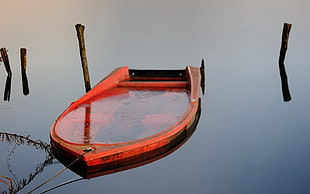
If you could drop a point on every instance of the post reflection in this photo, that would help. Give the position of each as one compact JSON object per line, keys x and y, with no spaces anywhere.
{"x":284,"y":44}
{"x":87,"y":122}
{"x":7,"y":89}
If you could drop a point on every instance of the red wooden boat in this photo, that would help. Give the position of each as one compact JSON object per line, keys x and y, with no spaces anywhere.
{"x":89,"y":172}
{"x":130,"y":116}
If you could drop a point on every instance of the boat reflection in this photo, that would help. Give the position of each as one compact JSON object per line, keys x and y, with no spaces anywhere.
{"x":126,"y":164}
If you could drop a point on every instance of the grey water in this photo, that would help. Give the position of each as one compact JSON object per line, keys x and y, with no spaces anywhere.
{"x":248,"y":140}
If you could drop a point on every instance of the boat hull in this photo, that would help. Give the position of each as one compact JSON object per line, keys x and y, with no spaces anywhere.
{"x":137,"y":160}
{"x":111,"y":153}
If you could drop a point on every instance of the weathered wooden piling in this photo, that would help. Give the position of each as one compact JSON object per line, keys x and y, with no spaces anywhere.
{"x":23,"y":59}
{"x":5,"y":59}
{"x":80,"y":34}
{"x":284,"y":45}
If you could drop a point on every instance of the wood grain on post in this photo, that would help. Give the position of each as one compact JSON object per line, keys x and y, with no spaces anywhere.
{"x":80,"y":35}
{"x":23,"y":59}
{"x":284,"y":82}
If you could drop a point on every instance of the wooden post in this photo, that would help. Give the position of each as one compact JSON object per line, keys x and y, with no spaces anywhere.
{"x":23,"y":59}
{"x":5,"y":59}
{"x":6,"y":62}
{"x":80,"y":35}
{"x":285,"y":35}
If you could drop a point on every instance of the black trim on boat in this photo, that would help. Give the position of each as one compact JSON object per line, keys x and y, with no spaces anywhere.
{"x":138,"y":73}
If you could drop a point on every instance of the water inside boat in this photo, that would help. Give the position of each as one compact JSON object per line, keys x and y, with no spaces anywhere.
{"x":122,"y":115}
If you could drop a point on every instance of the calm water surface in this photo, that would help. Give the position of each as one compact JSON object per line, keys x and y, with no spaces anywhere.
{"x":247,"y":141}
